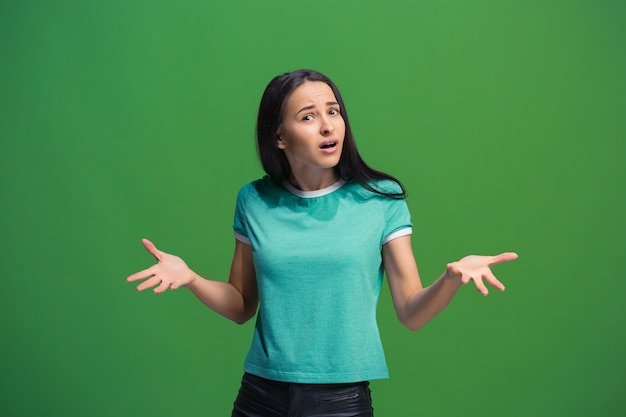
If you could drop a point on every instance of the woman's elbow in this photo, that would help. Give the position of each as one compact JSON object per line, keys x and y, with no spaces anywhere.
{"x":243,"y":317}
{"x":410,"y":323}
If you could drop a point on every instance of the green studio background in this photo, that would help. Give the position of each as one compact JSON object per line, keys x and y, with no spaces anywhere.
{"x":122,"y":120}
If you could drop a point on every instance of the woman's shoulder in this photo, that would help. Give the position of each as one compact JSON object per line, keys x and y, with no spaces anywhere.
{"x":259,"y":187}
{"x":384,"y":186}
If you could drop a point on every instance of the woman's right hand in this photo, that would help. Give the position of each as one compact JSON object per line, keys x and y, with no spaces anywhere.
{"x":169,"y":272}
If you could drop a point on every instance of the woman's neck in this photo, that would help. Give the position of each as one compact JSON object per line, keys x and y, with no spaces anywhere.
{"x":313,"y":181}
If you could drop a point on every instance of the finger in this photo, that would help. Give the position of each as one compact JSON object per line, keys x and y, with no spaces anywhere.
{"x":162,"y":287}
{"x":453,"y":268}
{"x":480,"y":286}
{"x":503,"y":257}
{"x":493,"y":281}
{"x":146,"y":273}
{"x":149,"y":283}
{"x":152,"y":249}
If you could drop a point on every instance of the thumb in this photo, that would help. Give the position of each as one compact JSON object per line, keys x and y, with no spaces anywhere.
{"x":152,"y":249}
{"x":453,"y":268}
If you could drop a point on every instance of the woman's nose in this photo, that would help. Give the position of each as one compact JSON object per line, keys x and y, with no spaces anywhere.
{"x":327,"y":126}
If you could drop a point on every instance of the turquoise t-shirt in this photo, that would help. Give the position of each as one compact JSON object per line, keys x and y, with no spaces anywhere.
{"x":318,"y":263}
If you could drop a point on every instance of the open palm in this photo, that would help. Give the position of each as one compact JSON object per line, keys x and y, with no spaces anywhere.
{"x":478,"y":269}
{"x":170,"y":271}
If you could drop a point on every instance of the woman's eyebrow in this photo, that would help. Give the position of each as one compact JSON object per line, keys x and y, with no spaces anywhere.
{"x":312,"y":106}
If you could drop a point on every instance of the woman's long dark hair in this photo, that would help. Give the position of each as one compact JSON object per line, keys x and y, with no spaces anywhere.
{"x":273,"y":159}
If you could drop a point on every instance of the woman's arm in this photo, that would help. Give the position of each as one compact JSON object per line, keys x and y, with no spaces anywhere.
{"x":415,"y":305}
{"x":236,"y":299}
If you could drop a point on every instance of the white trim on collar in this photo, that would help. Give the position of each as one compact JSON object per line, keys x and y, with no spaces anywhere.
{"x":315,"y":193}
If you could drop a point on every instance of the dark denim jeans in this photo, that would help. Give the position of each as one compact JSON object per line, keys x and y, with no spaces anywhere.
{"x":260,"y":397}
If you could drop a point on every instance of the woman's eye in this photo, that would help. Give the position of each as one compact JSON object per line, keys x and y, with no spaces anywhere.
{"x":333,"y":111}
{"x":307,"y":118}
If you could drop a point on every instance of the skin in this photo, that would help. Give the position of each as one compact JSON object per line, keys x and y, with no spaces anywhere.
{"x":311,"y":117}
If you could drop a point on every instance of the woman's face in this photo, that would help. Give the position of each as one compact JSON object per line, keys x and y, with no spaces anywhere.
{"x":313,"y":129}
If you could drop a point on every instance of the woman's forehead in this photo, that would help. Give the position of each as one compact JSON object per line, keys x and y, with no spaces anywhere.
{"x":311,"y":92}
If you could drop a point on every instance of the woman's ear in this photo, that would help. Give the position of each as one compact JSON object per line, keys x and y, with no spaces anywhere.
{"x":280,"y":143}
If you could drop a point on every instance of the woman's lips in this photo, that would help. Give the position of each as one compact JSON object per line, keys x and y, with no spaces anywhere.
{"x":329,"y":146}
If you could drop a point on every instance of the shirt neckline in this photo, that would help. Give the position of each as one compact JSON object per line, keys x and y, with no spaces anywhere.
{"x":315,"y":193}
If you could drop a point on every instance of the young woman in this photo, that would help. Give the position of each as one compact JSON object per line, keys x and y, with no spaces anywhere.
{"x":312,"y":240}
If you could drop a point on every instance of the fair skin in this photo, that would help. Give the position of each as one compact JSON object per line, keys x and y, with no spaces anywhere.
{"x":311,"y":136}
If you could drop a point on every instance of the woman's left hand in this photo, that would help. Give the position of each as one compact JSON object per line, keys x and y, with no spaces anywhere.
{"x":477,"y":268}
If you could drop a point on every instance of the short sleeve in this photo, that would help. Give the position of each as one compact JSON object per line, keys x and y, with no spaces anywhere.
{"x":397,"y":216}
{"x":240,"y":224}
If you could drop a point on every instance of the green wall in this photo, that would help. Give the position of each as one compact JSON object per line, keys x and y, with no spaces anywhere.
{"x":129,"y":119}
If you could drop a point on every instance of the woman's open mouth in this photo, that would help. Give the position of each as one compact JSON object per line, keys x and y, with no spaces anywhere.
{"x":329,"y":146}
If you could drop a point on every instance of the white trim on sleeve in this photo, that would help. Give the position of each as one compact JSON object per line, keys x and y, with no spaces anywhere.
{"x":398,"y":233}
{"x":241,"y":238}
